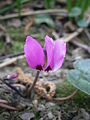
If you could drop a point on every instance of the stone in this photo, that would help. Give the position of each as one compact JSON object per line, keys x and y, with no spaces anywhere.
{"x":82,"y":115}
{"x":50,"y":104}
{"x":41,"y":119}
{"x":85,"y":114}
{"x":27,"y":116}
{"x":41,"y":107}
{"x":50,"y":115}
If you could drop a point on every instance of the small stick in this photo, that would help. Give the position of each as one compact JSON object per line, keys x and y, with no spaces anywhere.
{"x":68,"y":97}
{"x":11,"y":55}
{"x":72,"y":35}
{"x":35,"y":80}
{"x":3,"y":28}
{"x":61,"y":12}
{"x":11,"y":60}
{"x":59,"y":115}
{"x":3,"y":101}
{"x":7,"y":106}
{"x":87,"y":48}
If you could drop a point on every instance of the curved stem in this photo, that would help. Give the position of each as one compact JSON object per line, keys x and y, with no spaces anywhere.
{"x":3,"y":101}
{"x":7,"y":106}
{"x":68,"y":97}
{"x":35,"y":80}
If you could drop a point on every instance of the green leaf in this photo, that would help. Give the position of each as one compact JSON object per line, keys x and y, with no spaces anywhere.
{"x":77,"y":2}
{"x":84,"y":6}
{"x":80,"y":76}
{"x":83,"y":65}
{"x":19,"y":7}
{"x":79,"y":80}
{"x":82,"y":23}
{"x":49,"y":3}
{"x":76,"y":11}
{"x":44,"y":19}
{"x":11,"y":6}
{"x":69,"y":5}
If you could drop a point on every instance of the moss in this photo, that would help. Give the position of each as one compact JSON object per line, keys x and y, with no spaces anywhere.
{"x":81,"y":100}
{"x":18,"y":46}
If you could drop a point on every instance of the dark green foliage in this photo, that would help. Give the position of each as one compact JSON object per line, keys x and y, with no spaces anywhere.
{"x":69,"y":5}
{"x":19,"y":6}
{"x":49,"y":3}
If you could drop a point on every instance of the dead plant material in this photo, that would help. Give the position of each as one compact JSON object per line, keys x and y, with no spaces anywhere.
{"x":85,"y":47}
{"x":10,"y":61}
{"x":28,"y":25}
{"x":44,"y":89}
{"x":69,"y":25}
{"x":6,"y":38}
{"x":62,"y":12}
{"x":7,"y":106}
{"x":3,"y":101}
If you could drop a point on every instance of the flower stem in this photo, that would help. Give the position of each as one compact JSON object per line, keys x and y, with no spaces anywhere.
{"x":35,"y":80}
{"x":68,"y":97}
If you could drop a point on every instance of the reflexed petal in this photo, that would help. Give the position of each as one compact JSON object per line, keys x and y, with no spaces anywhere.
{"x":59,"y":54}
{"x":34,"y":53}
{"x":49,"y":45}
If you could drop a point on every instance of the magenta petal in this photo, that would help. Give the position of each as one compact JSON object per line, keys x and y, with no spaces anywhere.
{"x":34,"y":53}
{"x":49,"y":45}
{"x":59,"y":54}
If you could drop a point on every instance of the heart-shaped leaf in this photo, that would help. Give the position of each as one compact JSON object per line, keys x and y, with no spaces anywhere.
{"x":76,"y":11}
{"x":83,"y":65}
{"x":82,"y":23}
{"x":44,"y":18}
{"x":80,"y":76}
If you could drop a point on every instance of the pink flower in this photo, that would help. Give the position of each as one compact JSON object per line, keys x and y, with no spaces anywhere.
{"x":12,"y":76}
{"x":35,"y":55}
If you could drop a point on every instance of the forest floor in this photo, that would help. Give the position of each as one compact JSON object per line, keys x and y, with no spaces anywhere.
{"x":13,"y":32}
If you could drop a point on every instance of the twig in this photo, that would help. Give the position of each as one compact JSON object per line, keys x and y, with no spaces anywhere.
{"x":76,"y":33}
{"x":35,"y":80}
{"x":61,"y":12}
{"x":3,"y":101}
{"x":28,"y":25}
{"x":11,"y":55}
{"x":7,"y":106}
{"x":87,"y":48}
{"x":59,"y":115}
{"x":11,"y":60}
{"x":73,"y":35}
{"x":68,"y":97}
{"x":70,"y":36}
{"x":3,"y":28}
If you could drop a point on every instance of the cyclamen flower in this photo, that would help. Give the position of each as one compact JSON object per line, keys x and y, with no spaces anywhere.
{"x":35,"y":55}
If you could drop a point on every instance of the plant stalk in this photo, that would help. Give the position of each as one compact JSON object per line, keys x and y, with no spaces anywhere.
{"x":35,"y":80}
{"x":68,"y":97}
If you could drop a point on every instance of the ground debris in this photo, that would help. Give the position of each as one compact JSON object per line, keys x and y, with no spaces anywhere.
{"x":82,"y":115}
{"x":40,"y":87}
